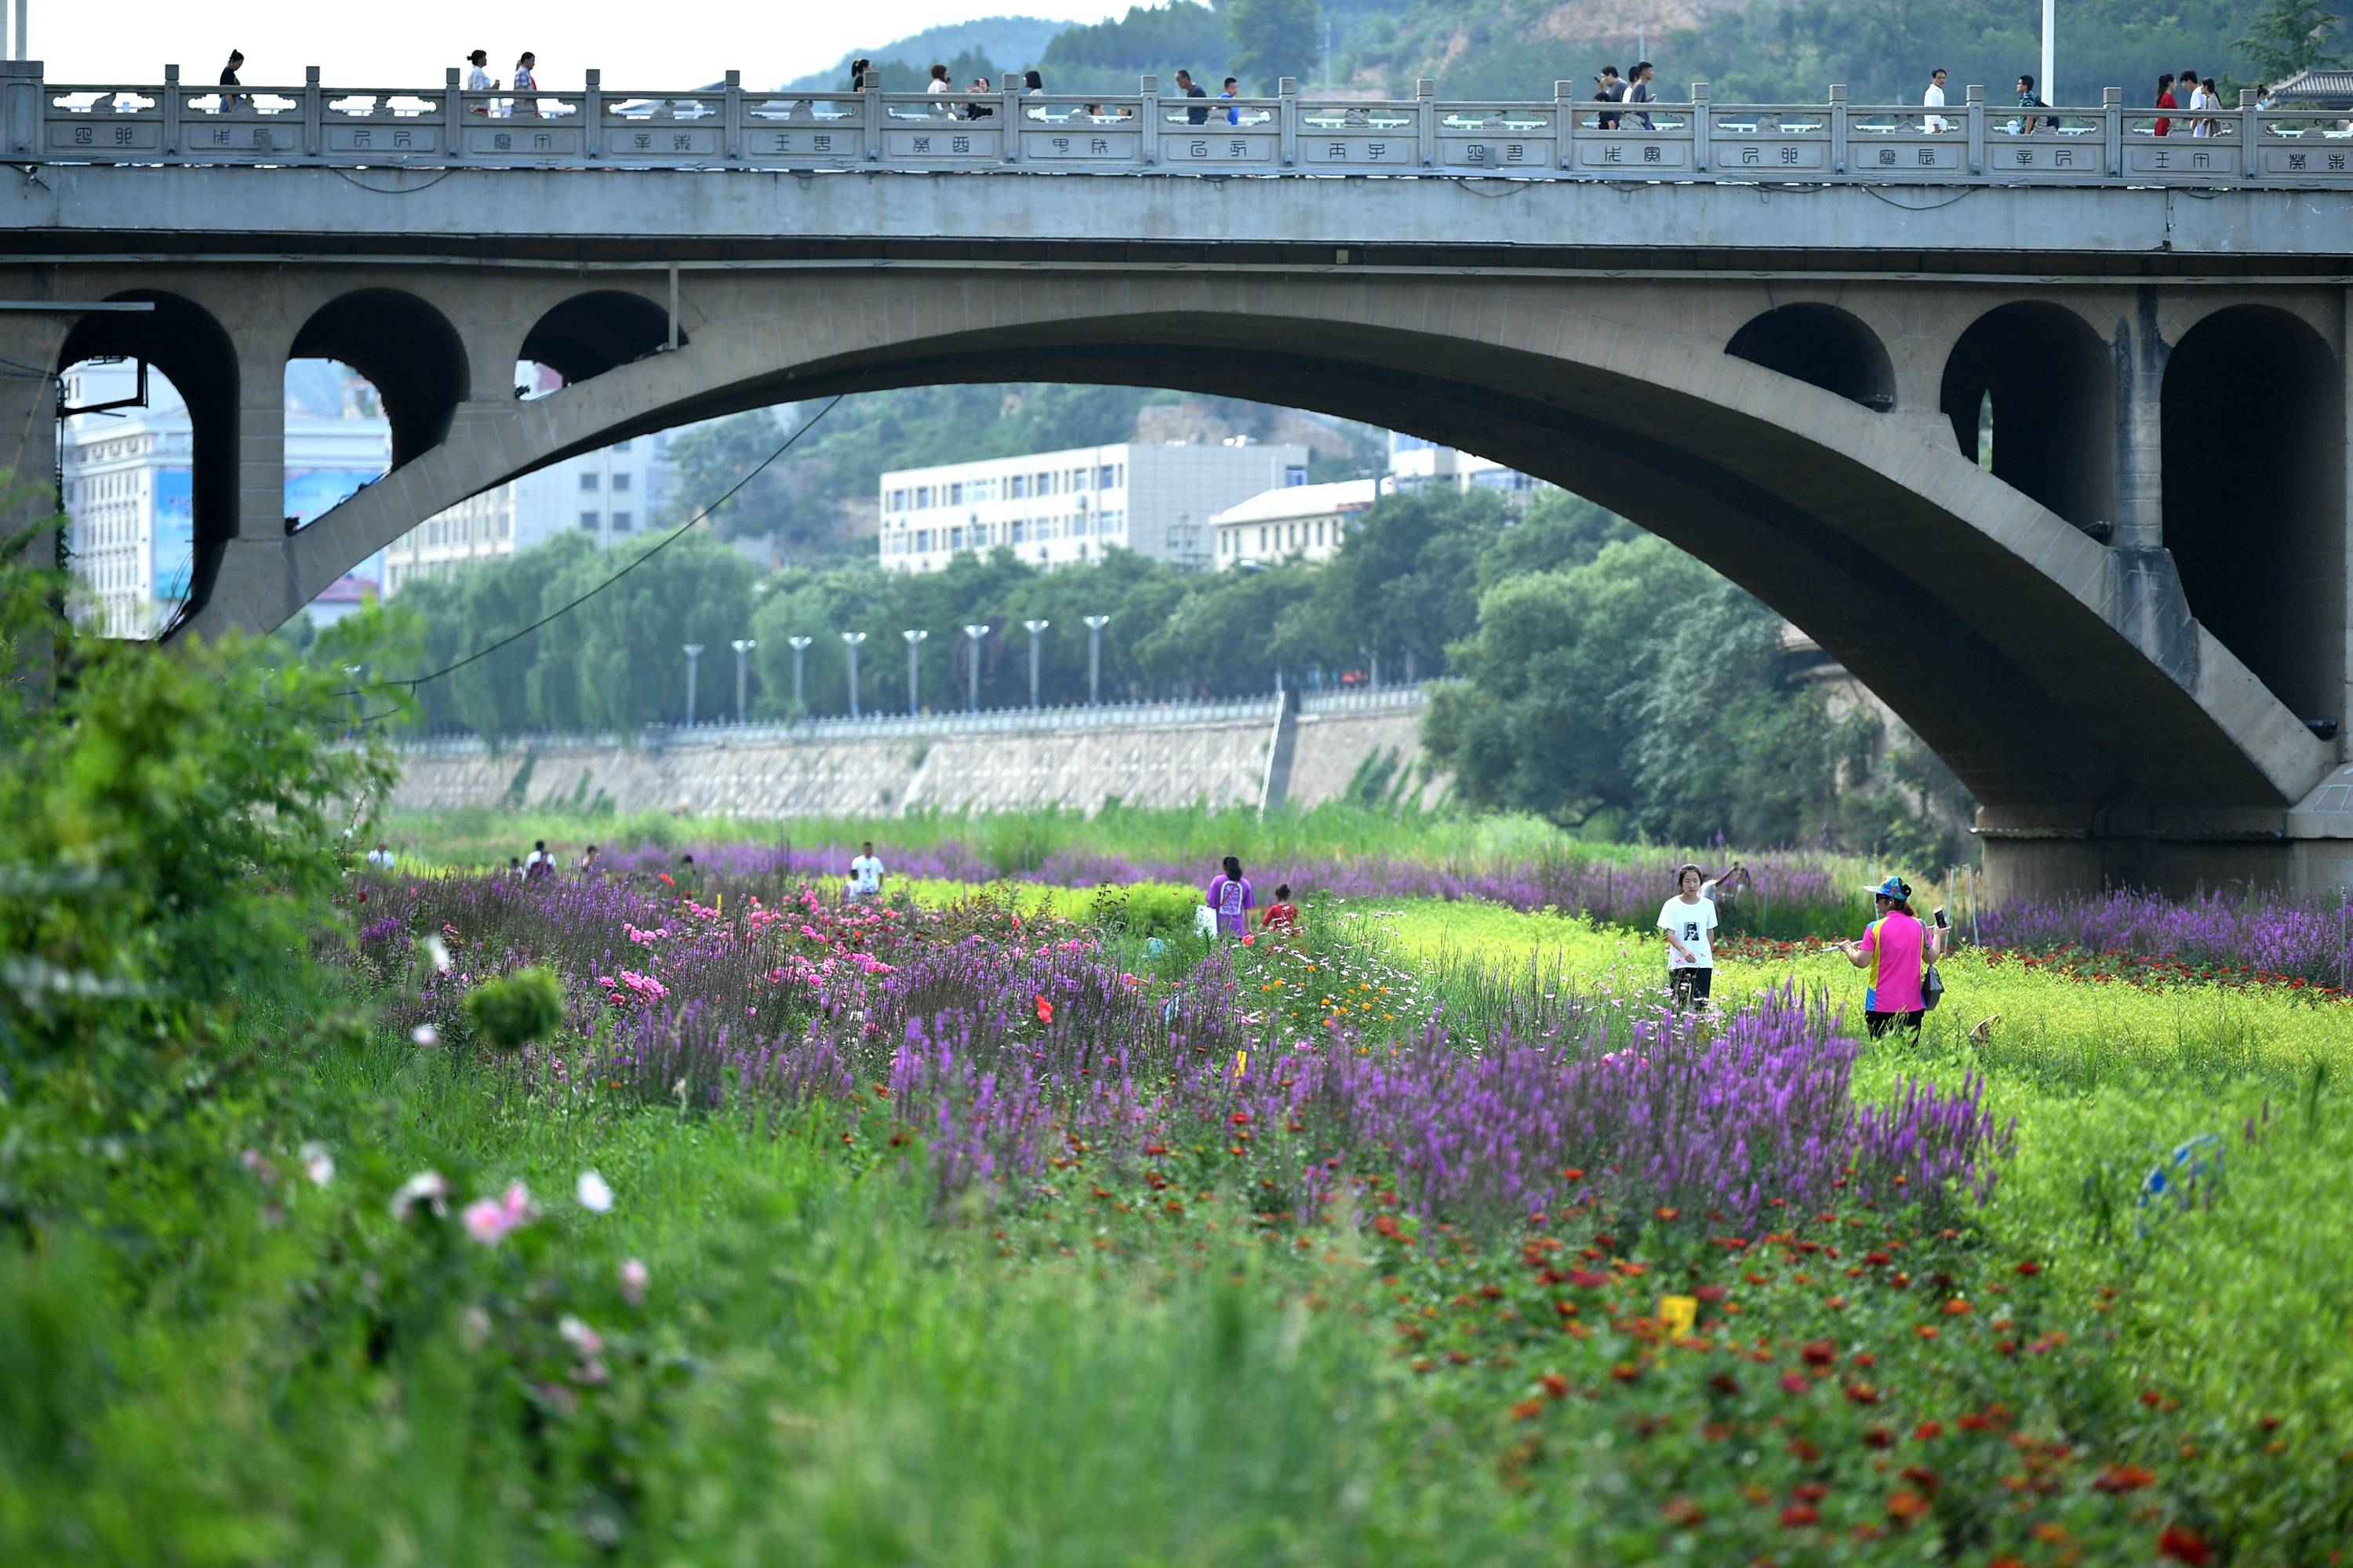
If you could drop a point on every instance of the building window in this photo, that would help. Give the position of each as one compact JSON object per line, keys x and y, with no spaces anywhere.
{"x":1045,"y":484}
{"x":956,"y":495}
{"x":1262,"y":538}
{"x":620,"y":481}
{"x":1295,"y":474}
{"x":622,"y":522}
{"x":897,"y":501}
{"x":1021,"y":530}
{"x":620,"y":446}
{"x":587,"y":480}
{"x":589,"y":522}
{"x":1319,"y":533}
{"x":955,"y":538}
{"x":1017,"y":487}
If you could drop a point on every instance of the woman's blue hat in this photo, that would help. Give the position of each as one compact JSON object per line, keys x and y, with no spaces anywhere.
{"x":1894,"y":887}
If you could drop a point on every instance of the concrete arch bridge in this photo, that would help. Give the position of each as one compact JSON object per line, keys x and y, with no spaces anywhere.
{"x":2128,"y":633}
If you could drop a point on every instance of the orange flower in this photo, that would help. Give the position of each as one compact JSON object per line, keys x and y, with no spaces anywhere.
{"x":1906,"y":1507}
{"x":1555,"y":1385}
{"x":2124,"y":1479}
{"x":1527,"y":1409}
{"x":1045,"y":1010}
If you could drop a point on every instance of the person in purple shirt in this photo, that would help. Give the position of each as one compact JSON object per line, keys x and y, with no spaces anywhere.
{"x":1231,"y":899}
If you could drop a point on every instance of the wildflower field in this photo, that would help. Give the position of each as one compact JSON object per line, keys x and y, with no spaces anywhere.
{"x":605,"y":1218}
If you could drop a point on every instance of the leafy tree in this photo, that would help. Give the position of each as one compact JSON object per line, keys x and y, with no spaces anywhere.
{"x":615,"y":663}
{"x":2290,"y":35}
{"x":709,"y":459}
{"x":1156,"y":38}
{"x":1560,"y":530}
{"x":1270,"y":39}
{"x":1405,"y":581}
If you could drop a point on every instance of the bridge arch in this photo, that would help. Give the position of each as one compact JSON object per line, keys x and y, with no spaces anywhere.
{"x":586,"y":335}
{"x":1822,"y":345}
{"x":2254,"y":499}
{"x":2051,"y":385}
{"x":1993,"y":626}
{"x":189,"y":345}
{"x":406,"y":348}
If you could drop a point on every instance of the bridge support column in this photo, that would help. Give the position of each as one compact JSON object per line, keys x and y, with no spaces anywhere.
{"x":2139,"y":355}
{"x":28,"y":427}
{"x":251,"y":585}
{"x":2044,"y":853}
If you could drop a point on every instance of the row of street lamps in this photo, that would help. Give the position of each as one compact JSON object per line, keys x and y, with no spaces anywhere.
{"x":850,"y":641}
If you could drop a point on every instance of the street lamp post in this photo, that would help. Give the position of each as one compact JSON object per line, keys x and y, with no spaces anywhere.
{"x":915,"y":642}
{"x":1035,"y":629}
{"x":800,"y":646}
{"x":693,"y":653}
{"x":1095,"y":623}
{"x":853,"y":638}
{"x":2049,"y":50}
{"x":973,"y":634}
{"x":743,"y":646}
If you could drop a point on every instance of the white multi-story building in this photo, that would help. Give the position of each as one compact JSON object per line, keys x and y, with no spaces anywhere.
{"x":1414,"y":463}
{"x":1053,"y":509}
{"x":1306,"y":522}
{"x":611,"y":496}
{"x":130,"y":490}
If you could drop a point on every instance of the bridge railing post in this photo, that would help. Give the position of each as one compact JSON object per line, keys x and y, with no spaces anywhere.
{"x":25,"y":112}
{"x":173,"y":108}
{"x":1973,"y":105}
{"x":453,"y":114}
{"x":592,"y":112}
{"x":870,"y":104}
{"x":312,"y":112}
{"x":735,"y":114}
{"x":2112,"y":129}
{"x":1564,"y":114}
{"x":2250,"y":149}
{"x":1425,"y":120}
{"x":1009,"y":114}
{"x":1148,"y":111}
{"x":1838,"y":127}
{"x":1701,"y":119}
{"x":1286,"y":92}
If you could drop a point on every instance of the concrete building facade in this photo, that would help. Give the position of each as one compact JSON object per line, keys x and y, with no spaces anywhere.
{"x":1055,"y":509}
{"x":1300,"y":522}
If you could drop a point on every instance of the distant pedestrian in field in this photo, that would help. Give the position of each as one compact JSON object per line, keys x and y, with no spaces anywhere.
{"x":1233,"y":114}
{"x":865,"y":873}
{"x":1282,"y":915}
{"x":380,"y":858}
{"x":1191,"y":88}
{"x":1897,"y":948}
{"x":514,"y":867}
{"x":1726,"y":885}
{"x":538,"y":859}
{"x":1934,"y":98}
{"x":526,"y":80}
{"x":1637,"y":90}
{"x":588,"y":859}
{"x":1232,"y":900}
{"x":2164,"y":99}
{"x":230,"y":100}
{"x":1689,"y":921}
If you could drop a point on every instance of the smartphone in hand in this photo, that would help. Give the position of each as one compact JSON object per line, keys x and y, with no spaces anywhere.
{"x":1942,"y":924}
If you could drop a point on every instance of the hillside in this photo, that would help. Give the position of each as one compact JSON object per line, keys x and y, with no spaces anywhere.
{"x":1009,"y":43}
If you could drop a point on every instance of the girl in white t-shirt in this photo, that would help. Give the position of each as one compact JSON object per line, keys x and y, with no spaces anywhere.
{"x":1688,"y":921}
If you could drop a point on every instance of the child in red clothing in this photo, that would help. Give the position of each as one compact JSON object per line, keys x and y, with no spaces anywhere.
{"x":1282,"y":915}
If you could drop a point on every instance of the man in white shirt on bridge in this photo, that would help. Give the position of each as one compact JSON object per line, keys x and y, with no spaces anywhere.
{"x":1935,"y":99}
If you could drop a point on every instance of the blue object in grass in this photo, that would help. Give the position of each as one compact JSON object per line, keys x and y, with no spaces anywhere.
{"x":2195,"y":1163}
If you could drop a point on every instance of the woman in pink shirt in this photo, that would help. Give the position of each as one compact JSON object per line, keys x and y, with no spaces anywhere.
{"x":1897,"y":948}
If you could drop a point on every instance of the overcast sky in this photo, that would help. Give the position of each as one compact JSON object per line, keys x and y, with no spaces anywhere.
{"x":410,"y":42}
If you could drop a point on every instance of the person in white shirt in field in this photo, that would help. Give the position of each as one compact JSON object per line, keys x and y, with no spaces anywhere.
{"x":866,"y":875}
{"x":1936,"y":124}
{"x":1689,"y":922}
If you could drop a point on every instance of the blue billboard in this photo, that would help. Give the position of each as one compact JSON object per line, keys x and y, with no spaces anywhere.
{"x":313,"y":490}
{"x":173,"y":564}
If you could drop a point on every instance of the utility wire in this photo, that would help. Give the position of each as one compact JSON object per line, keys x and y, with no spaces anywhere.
{"x":803,"y":428}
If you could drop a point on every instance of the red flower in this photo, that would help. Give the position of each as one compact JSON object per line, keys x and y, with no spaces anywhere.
{"x":2184,"y":1546}
{"x":1798,"y":1515}
{"x":1555,"y":1385}
{"x":1928,"y":1431}
{"x":1794,"y":1383}
{"x":2124,"y":1479}
{"x":1810,"y":1492}
{"x":1819,"y":1352}
{"x":1572,"y":1174}
{"x":1906,"y":1507}
{"x":1709,"y":1293}
{"x":1863,"y":1394}
{"x":1683,"y":1513}
{"x":2030,"y":1267}
{"x":1527,"y":1410}
{"x":1045,"y":1010}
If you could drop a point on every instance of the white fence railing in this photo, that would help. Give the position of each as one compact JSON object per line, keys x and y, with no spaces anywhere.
{"x":1570,"y":136}
{"x":1370,"y":700}
{"x":873,"y":727}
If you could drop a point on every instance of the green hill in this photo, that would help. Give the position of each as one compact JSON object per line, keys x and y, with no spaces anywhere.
{"x":1007,"y":43}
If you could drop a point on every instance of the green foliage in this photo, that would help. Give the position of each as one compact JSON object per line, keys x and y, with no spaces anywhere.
{"x":1110,"y":55}
{"x":511,"y":1012}
{"x":1144,"y":909}
{"x":2291,"y":36}
{"x":708,"y":460}
{"x":1271,"y":38}
{"x":172,"y":825}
